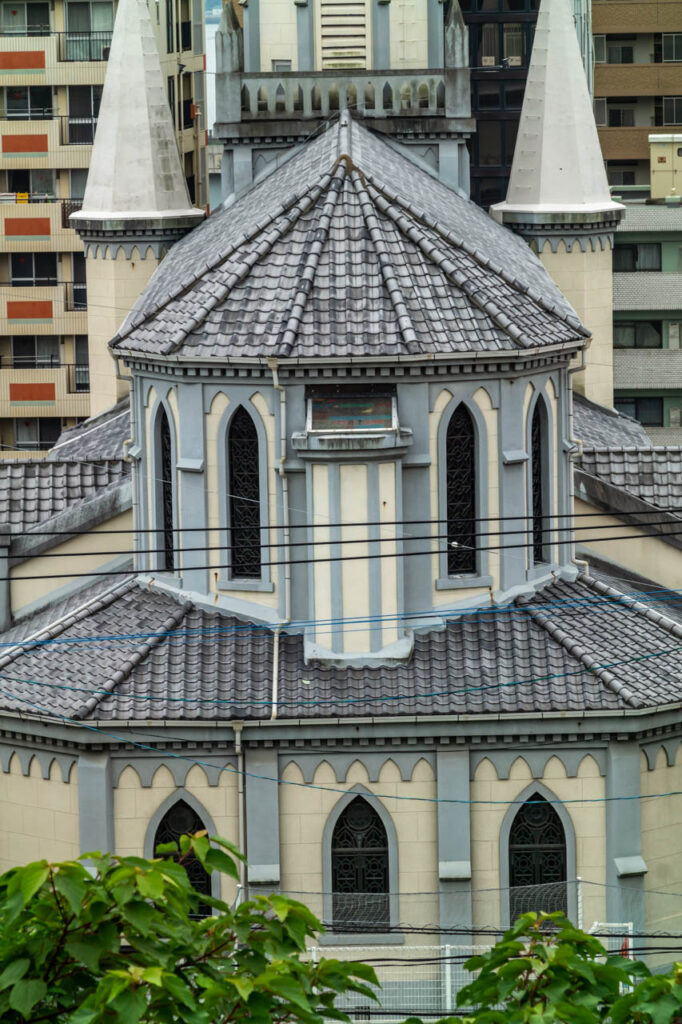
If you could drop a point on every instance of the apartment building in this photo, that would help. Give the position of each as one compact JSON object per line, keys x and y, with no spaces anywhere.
{"x":637,"y":80}
{"x":52,"y":62}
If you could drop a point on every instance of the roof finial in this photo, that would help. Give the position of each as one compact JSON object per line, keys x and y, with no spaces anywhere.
{"x":135,"y":170}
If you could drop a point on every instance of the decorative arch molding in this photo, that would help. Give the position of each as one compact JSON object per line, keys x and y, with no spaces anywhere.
{"x":405,"y":761}
{"x":671,"y":748}
{"x":569,"y":834}
{"x":542,"y":399}
{"x":391,"y":835}
{"x":537,"y":761}
{"x":238,"y":394}
{"x":146,"y":768}
{"x":198,"y":808}
{"x":162,"y":405}
{"x":480,"y":578}
{"x":44,"y":758}
{"x":225,"y":582}
{"x":465,"y":391}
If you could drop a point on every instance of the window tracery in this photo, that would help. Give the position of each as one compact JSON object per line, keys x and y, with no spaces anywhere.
{"x":460,"y":448}
{"x":360,"y":878}
{"x":540,"y":520}
{"x":244,"y":496}
{"x":166,"y":471}
{"x":537,"y":859}
{"x":180,"y":820}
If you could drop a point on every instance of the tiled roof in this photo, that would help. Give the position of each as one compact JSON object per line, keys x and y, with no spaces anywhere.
{"x":646,"y":290}
{"x":599,"y":427}
{"x":652,"y":474}
{"x":100,"y":437}
{"x":156,"y":658}
{"x":651,"y":217}
{"x":348,"y":249}
{"x":32,"y":492}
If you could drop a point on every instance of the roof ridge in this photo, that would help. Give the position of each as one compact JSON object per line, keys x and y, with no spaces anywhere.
{"x":311,"y":194}
{"x":658,"y":618}
{"x":383,"y":192}
{"x":307,"y":277}
{"x":60,"y":625}
{"x":138,"y":655}
{"x":391,"y":284}
{"x":579,"y":653}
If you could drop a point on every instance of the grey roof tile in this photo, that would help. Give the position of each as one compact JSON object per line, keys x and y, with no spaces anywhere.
{"x":34,"y":491}
{"x":328,"y":256}
{"x":599,"y":427}
{"x":652,"y":474}
{"x":100,"y":437}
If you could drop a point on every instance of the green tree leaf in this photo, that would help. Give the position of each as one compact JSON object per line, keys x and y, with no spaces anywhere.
{"x":25,"y":994}
{"x":13,"y":972}
{"x":32,"y":878}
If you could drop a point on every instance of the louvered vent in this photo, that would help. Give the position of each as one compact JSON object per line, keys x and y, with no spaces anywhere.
{"x":343,"y":28}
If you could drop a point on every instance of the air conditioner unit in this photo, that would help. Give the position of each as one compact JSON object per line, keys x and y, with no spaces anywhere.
{"x":105,"y":52}
{"x":488,"y":62}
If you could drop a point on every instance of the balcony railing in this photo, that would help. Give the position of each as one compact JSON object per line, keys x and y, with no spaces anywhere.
{"x":76,"y":297}
{"x":69,"y":378}
{"x":75,"y":294}
{"x":26,"y":30}
{"x":75,"y":46}
{"x":77,"y":131}
{"x":29,"y":114}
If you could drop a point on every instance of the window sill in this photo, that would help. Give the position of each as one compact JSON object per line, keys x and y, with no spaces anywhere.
{"x":463,"y":582}
{"x":361,"y":939}
{"x":256,"y":586}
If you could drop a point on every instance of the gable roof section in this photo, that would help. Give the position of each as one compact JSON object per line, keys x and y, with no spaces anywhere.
{"x":99,"y":437}
{"x":32,"y":492}
{"x":652,"y":474}
{"x":348,"y":249}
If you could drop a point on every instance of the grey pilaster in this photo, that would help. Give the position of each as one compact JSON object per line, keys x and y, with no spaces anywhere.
{"x":381,"y":34}
{"x":252,"y":35}
{"x":512,"y":457}
{"x":262,"y":817}
{"x":95,"y":803}
{"x":625,"y":867}
{"x":5,"y":592}
{"x":192,"y":497}
{"x":454,"y":839}
{"x":305,"y":35}
{"x":435,"y":29}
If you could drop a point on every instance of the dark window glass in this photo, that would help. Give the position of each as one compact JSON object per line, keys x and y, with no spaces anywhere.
{"x":649,"y":411}
{"x":538,"y":484}
{"x":165,"y":484}
{"x":491,"y":190}
{"x":360,"y":880}
{"x":637,"y":334}
{"x":182,"y":820}
{"x":511,"y":129}
{"x":537,"y":860}
{"x":645,"y":256}
{"x":244,"y":482}
{"x":513,"y":95}
{"x":489,"y":135}
{"x":488,"y":95}
{"x":34,"y":269}
{"x":461,"y":492}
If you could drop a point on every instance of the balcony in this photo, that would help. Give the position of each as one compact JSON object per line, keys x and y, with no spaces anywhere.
{"x":387,"y":95}
{"x":61,"y":390}
{"x":36,"y":222}
{"x":83,"y":46}
{"x":646,"y":368}
{"x":53,"y":56}
{"x":77,"y":131}
{"x":41,"y":309}
{"x":637,"y":79}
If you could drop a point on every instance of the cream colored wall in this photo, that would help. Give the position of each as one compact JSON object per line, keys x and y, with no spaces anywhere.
{"x":113,"y":288}
{"x":354,"y":565}
{"x":135,"y":805}
{"x":69,"y":558}
{"x":647,"y":556}
{"x":278,"y":35}
{"x":303,"y":813}
{"x":409,"y":34}
{"x":322,"y":571}
{"x":661,"y":842}
{"x":486,"y":822}
{"x":586,"y":279}
{"x":388,"y":514}
{"x":38,"y":817}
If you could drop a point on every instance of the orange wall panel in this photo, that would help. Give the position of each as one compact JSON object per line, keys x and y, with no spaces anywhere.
{"x":37,"y":392}
{"x":31,"y":309}
{"x":24,"y":143}
{"x":19,"y":226}
{"x":24,"y":60}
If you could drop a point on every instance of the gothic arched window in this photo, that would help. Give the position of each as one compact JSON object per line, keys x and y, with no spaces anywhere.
{"x":360,"y":880}
{"x":165,"y":476}
{"x":180,"y":820}
{"x":460,"y":468}
{"x":538,"y":444}
{"x":244,"y":496}
{"x":537,"y":859}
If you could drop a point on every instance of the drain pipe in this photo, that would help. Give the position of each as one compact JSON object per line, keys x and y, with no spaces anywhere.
{"x":286,"y":532}
{"x":583,"y":566}
{"x":241,"y":801}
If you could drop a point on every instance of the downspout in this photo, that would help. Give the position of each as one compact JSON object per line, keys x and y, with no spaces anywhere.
{"x":241,"y":803}
{"x":286,"y":532}
{"x":581,"y":563}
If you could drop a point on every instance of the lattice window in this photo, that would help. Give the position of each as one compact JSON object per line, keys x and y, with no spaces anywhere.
{"x":360,"y":870}
{"x":244,"y":483}
{"x":180,"y":820}
{"x":537,"y":859}
{"x":166,"y":472}
{"x":540,"y":520}
{"x":343,"y":34}
{"x":460,"y":461}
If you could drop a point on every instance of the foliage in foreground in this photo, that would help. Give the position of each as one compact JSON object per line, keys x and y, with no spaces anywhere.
{"x":113,"y":941}
{"x":545,"y":971}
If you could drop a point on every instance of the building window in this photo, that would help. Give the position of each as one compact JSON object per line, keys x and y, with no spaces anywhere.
{"x":599,"y":108}
{"x":36,"y":434}
{"x":620,"y":116}
{"x":244,"y":496}
{"x":31,"y":351}
{"x":672,"y":46}
{"x":645,"y":256}
{"x":649,"y":411}
{"x":181,"y":820}
{"x":33,"y":269}
{"x":514,"y":49}
{"x":360,"y":879}
{"x":672,"y":110}
{"x":537,"y":860}
{"x":25,"y":19}
{"x":84,"y":101}
{"x":281,"y":65}
{"x":599,"y":46}
{"x":460,"y":453}
{"x":89,"y":28}
{"x":637,"y":334}
{"x":165,"y":489}
{"x":28,"y":102}
{"x":539,"y":485}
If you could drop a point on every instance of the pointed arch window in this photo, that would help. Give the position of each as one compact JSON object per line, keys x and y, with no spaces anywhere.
{"x":180,"y":820}
{"x":360,"y":870}
{"x":165,"y":475}
{"x":537,"y":859}
{"x":538,"y":457}
{"x":244,"y":496}
{"x":460,"y":456}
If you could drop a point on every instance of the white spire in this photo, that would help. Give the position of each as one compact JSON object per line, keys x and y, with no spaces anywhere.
{"x":558,"y":166}
{"x":135,"y":170}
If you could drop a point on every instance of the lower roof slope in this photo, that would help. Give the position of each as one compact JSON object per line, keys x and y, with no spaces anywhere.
{"x":132,"y":653}
{"x":34,"y":491}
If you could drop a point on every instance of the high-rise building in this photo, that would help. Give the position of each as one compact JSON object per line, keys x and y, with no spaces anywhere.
{"x":637,"y":81}
{"x":53,"y":57}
